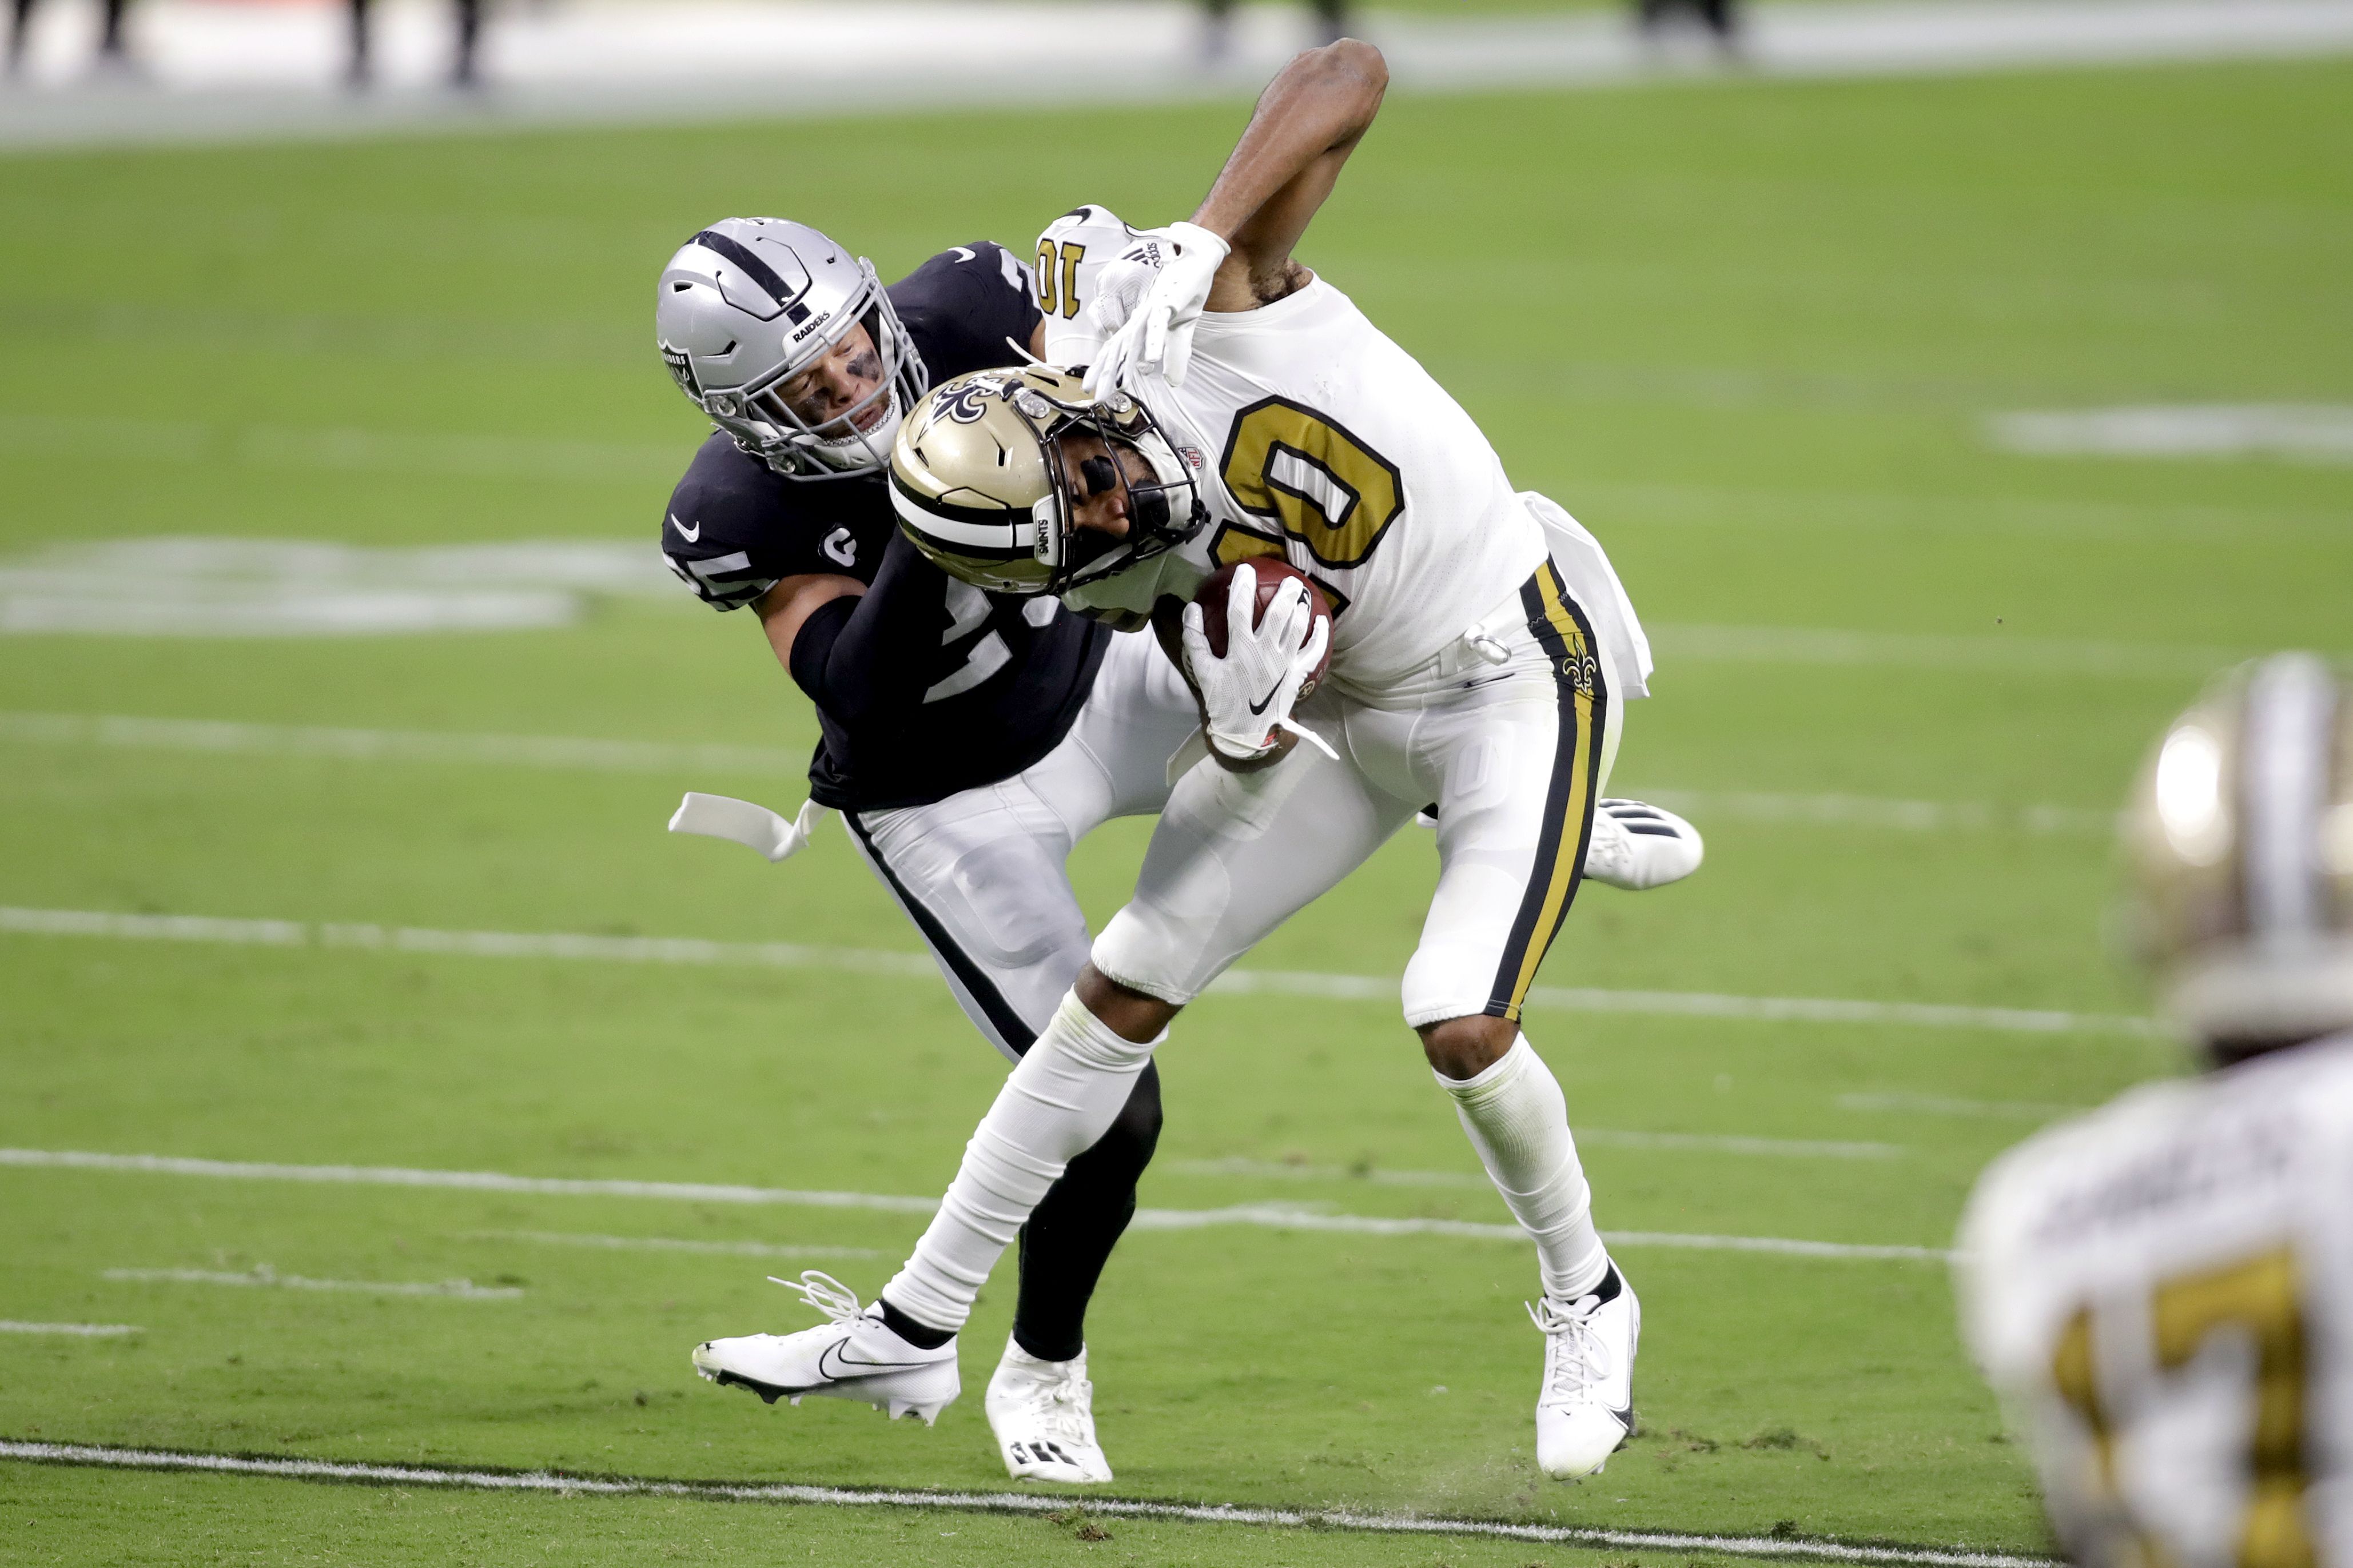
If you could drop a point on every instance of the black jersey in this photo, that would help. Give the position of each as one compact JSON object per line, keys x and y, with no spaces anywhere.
{"x":1007,"y":675}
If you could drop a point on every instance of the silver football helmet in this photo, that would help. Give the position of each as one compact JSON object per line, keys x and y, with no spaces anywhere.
{"x":751,"y":302}
{"x":2241,"y":837}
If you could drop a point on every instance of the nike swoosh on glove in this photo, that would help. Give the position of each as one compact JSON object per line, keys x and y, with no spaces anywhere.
{"x":1158,"y":337}
{"x":1248,"y":695}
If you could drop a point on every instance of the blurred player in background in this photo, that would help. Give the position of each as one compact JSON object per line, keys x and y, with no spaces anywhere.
{"x":969,"y":739}
{"x":2163,"y":1289}
{"x":361,"y":70}
{"x":113,"y":53}
{"x":1463,"y":672}
{"x":1217,"y":26}
{"x":1719,"y":19}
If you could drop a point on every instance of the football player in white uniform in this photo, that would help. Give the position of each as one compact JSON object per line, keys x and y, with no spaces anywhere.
{"x":1466,"y":672}
{"x":2162,"y":1289}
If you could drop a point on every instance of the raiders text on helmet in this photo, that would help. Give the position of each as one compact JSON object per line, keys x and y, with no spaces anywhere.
{"x":2241,"y":836}
{"x":751,"y":302}
{"x":985,"y":480}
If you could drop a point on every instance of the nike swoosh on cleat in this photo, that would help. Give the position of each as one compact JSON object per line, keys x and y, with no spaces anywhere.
{"x":833,"y":1363}
{"x":691,"y":535}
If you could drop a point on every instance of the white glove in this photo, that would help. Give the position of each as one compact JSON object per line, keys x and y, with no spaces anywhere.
{"x":1247,"y":695}
{"x":1124,"y":281}
{"x":1159,"y":336}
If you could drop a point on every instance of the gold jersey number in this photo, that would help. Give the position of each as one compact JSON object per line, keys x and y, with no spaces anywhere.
{"x":1059,"y":261}
{"x":1313,"y":479}
{"x":2259,"y":1300}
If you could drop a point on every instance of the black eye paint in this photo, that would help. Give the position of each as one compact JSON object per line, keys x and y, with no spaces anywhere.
{"x":1099,"y":476}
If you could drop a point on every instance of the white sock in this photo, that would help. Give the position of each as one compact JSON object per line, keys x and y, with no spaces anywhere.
{"x":1059,"y":1101}
{"x":1518,"y":1121}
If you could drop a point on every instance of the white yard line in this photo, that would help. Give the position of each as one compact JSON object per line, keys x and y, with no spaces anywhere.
{"x":467,"y":1181}
{"x":587,"y":755}
{"x":1267,"y":1216}
{"x":866,"y":960}
{"x":437,"y":453}
{"x":1285,"y":1216}
{"x":564,"y":753}
{"x":1870,"y":811}
{"x":2298,"y":432}
{"x":270,"y":1278}
{"x":80,"y":1331}
{"x":1008,"y":1503}
{"x":1601,"y":1137}
{"x":2166,"y":662}
{"x":668,"y":1243}
{"x":1945,"y":1105}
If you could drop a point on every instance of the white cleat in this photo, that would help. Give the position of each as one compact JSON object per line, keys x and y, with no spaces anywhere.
{"x":1585,"y":1408}
{"x":1637,"y":846}
{"x":853,"y":1356}
{"x":1043,"y":1415}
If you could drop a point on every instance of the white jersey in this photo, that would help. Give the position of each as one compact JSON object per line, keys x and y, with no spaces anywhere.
{"x":1320,"y":441}
{"x":2163,"y":1292}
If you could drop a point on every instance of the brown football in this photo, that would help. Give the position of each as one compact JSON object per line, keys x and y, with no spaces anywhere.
{"x":1270,"y":572}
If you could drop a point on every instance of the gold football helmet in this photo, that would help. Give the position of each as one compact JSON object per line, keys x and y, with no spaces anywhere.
{"x":985,"y":482}
{"x":2241,"y":836}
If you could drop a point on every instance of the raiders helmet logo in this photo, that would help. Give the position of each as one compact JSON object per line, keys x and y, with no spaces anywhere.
{"x":681,"y":371}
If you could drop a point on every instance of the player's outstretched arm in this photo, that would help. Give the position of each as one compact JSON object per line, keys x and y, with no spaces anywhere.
{"x":1235,"y":252}
{"x":1307,"y":122}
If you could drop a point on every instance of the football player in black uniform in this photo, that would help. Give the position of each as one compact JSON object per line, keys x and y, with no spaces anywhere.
{"x":969,"y":739}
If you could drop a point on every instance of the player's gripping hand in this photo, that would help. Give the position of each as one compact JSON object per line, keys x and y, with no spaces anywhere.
{"x":1247,"y":691}
{"x":1158,"y":339}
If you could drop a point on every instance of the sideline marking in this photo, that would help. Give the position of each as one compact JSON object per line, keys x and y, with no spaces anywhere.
{"x":1270,"y":1217}
{"x":1233,"y":983}
{"x":349,"y":1473}
{"x":85,"y":1331}
{"x":229,"y":738}
{"x":267,"y":1277}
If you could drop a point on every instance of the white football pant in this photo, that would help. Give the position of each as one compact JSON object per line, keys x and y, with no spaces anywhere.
{"x":1514,"y":744}
{"x":982,"y":873}
{"x":1514,"y":755}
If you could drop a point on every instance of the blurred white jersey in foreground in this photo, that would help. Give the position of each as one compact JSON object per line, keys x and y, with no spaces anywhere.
{"x":2162,"y":1291}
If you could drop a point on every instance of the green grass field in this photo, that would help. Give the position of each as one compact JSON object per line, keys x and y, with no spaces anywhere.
{"x":1748,"y":332}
